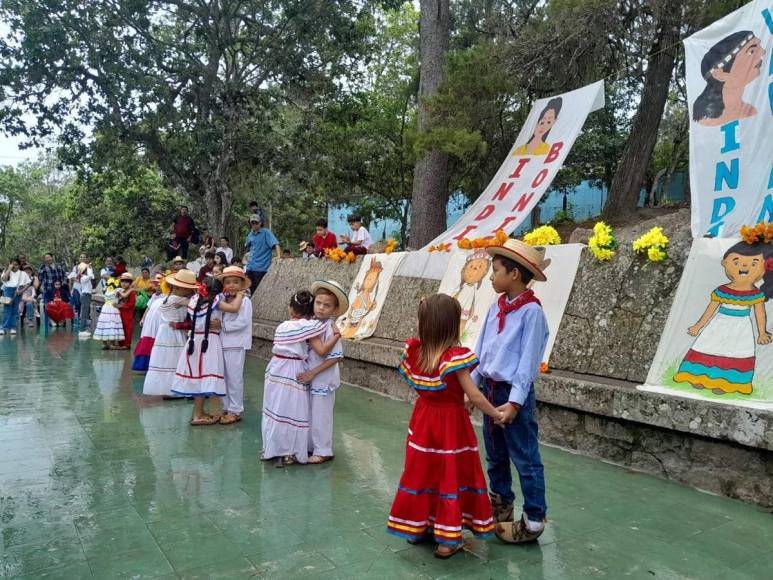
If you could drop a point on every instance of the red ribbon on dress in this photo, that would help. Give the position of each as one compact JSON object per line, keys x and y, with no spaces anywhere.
{"x":504,"y":308}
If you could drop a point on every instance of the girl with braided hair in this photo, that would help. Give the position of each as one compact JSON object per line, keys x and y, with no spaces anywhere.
{"x":285,"y":423}
{"x":200,"y":372}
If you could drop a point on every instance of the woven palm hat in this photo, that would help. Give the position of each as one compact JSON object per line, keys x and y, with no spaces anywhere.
{"x":530,"y":257}
{"x":337,"y":290}
{"x":82,"y":267}
{"x":234,"y":272}
{"x":178,"y":259}
{"x":183,"y":279}
{"x":127,"y":276}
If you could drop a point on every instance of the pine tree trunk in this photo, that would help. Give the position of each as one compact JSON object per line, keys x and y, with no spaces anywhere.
{"x":430,"y":176}
{"x":629,"y":178}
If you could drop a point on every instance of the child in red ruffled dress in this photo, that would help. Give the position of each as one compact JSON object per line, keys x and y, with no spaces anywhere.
{"x":442,"y":489}
{"x":58,"y":309}
{"x":127,"y":300}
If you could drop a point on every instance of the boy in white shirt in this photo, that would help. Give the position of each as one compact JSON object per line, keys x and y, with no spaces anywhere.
{"x":236,"y":337}
{"x":360,"y":240}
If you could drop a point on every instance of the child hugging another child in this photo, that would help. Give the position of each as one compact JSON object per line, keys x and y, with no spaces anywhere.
{"x":109,"y":328}
{"x":200,"y":368}
{"x":511,"y":345}
{"x":285,"y":423}
{"x":324,"y":375}
{"x":442,"y":489}
{"x":169,"y":340}
{"x":236,"y":336}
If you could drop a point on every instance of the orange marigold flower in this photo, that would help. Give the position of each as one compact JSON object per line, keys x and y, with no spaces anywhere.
{"x":465,"y":244}
{"x":543,"y":368}
{"x":350,"y":257}
{"x":501,"y":237}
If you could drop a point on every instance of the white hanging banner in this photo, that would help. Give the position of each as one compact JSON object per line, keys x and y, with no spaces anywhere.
{"x":539,"y":152}
{"x":729,"y":74}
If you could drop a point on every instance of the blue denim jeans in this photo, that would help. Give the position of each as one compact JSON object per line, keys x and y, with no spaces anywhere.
{"x":75,"y":302}
{"x":519,"y":442}
{"x":29,"y":312}
{"x":11,"y":311}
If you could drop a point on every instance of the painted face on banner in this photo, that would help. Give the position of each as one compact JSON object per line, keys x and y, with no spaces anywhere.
{"x":475,"y":270}
{"x":746,"y":66}
{"x":545,"y":123}
{"x":744,"y":269}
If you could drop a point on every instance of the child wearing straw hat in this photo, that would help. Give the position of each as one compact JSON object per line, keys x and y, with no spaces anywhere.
{"x":169,"y":340}
{"x":236,"y":336}
{"x":510,"y":348}
{"x":324,"y":374}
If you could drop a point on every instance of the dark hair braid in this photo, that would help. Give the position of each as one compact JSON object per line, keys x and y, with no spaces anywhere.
{"x":302,"y":303}
{"x":207,"y":319}
{"x":192,"y":333}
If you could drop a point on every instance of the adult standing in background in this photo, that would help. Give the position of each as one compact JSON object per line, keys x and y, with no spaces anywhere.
{"x":260,"y":244}
{"x":225,"y":247}
{"x":85,"y":279}
{"x":75,"y":284}
{"x":107,"y":272}
{"x":49,"y":273}
{"x":183,"y":227}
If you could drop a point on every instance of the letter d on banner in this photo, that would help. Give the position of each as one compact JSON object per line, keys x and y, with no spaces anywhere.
{"x":722,"y":207}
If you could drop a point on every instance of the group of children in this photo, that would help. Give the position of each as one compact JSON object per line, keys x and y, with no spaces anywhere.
{"x":193,"y":342}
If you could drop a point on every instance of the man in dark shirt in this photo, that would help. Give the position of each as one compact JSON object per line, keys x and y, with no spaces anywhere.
{"x":49,"y":273}
{"x":183,"y":227}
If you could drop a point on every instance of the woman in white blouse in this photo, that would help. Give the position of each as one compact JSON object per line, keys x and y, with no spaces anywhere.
{"x":15,"y":282}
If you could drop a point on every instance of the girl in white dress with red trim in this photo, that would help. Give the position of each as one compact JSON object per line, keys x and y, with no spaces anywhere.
{"x":169,"y":340}
{"x":109,"y":328}
{"x":200,"y":371}
{"x":285,"y":424}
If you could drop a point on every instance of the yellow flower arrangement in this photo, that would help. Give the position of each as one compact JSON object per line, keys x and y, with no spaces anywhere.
{"x":654,"y":242}
{"x":761,"y":232}
{"x":603,"y":243}
{"x":350,"y":258}
{"x":335,"y":254}
{"x":543,"y":236}
{"x":500,"y":237}
{"x":391,"y":246}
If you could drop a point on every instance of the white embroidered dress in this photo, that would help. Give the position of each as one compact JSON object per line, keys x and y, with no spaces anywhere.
{"x":201,"y":373}
{"x":285,"y":423}
{"x":109,"y":325}
{"x":167,"y":347}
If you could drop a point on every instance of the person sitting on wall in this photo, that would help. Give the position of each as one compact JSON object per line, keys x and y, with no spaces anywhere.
{"x":360,"y":240}
{"x":323,"y":240}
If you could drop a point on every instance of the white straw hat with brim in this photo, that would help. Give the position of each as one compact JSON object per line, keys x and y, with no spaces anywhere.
{"x":82,"y":267}
{"x":235,"y":272}
{"x":302,"y":246}
{"x":530,"y":257}
{"x":178,"y":259}
{"x":183,"y":279}
{"x":337,"y":291}
{"x":127,"y":276}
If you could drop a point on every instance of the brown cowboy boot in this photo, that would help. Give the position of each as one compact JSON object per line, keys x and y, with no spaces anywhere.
{"x":517,"y":532}
{"x":503,"y":512}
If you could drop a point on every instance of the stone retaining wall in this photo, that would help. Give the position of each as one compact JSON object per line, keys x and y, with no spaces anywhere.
{"x":604,"y":347}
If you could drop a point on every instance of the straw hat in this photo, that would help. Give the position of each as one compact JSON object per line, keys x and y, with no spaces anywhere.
{"x":127,"y":276}
{"x":178,"y":259}
{"x":302,"y":246}
{"x":183,"y":279}
{"x":530,"y":257}
{"x":338,"y":292}
{"x":235,"y":272}
{"x":82,"y":267}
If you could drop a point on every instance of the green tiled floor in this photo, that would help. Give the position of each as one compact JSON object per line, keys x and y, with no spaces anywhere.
{"x":97,"y":481}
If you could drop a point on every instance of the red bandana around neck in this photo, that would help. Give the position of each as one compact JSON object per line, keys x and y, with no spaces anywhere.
{"x":523,"y":299}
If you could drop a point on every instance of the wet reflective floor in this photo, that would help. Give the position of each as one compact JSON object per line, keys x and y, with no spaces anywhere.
{"x":98,"y":481}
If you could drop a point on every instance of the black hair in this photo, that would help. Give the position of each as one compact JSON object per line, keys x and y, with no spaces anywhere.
{"x":184,"y":207}
{"x":709,"y":104}
{"x":302,"y":303}
{"x":322,"y":224}
{"x":223,"y":258}
{"x":766,"y":250}
{"x":555,"y":105}
{"x":253,"y":203}
{"x":48,"y":254}
{"x":225,"y":238}
{"x":17,"y":260}
{"x":354,"y":218}
{"x":214,"y":287}
{"x":209,"y":254}
{"x":145,"y":269}
{"x":509,"y":265}
{"x":119,"y":260}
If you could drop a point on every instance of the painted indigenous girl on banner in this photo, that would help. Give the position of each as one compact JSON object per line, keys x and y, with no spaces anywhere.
{"x":723,"y":357}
